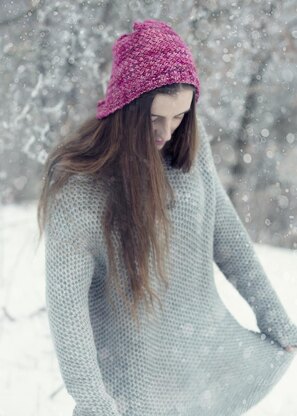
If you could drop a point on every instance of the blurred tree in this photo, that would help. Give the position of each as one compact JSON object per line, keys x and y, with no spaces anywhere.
{"x":55,"y":65}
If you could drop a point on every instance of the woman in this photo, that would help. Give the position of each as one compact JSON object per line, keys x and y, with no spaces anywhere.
{"x":134,"y":213}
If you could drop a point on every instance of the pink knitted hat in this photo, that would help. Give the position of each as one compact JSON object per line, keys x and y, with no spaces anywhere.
{"x":152,"y":56}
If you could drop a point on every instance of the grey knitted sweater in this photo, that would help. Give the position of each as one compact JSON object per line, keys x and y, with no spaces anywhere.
{"x":192,"y":359}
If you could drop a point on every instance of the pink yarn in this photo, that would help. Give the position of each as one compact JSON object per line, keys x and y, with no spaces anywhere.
{"x":151,"y":56}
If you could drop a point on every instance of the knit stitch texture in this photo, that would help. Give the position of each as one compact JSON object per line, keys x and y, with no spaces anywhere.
{"x":151,"y":56}
{"x":192,"y":359}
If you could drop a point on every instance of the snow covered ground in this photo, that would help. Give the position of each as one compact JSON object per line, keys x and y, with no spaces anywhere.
{"x":30,"y":382}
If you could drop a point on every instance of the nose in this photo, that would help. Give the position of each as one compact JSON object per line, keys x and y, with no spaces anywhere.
{"x":165,"y":131}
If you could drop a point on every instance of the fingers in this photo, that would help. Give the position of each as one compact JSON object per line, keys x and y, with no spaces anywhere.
{"x":290,"y":348}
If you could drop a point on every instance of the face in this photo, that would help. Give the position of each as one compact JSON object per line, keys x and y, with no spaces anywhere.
{"x":167,"y":112}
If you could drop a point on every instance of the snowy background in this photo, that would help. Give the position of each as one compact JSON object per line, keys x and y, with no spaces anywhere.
{"x":30,"y":381}
{"x":55,"y":63}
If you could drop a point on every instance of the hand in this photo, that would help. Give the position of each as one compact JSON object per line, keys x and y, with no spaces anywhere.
{"x":291,"y":348}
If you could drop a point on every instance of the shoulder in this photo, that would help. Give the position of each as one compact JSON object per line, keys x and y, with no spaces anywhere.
{"x":204,"y":141}
{"x":74,"y":211}
{"x":205,"y":156}
{"x":79,"y":193}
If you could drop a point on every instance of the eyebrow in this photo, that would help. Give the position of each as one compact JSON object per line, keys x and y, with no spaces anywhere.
{"x":174,"y":116}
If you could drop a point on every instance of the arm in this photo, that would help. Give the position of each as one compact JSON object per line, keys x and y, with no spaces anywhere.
{"x":235,"y":256}
{"x":69,"y":270}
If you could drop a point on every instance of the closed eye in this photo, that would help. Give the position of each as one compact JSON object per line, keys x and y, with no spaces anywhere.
{"x":155,"y":118}
{"x":178,"y":117}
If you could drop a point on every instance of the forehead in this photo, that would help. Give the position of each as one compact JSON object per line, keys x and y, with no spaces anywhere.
{"x":166,"y":105}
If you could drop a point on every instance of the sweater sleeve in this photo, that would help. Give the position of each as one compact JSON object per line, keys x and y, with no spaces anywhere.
{"x":235,"y":256}
{"x":70,"y":264}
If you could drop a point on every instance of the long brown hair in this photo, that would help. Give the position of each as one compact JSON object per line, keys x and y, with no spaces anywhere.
{"x":120,"y":149}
